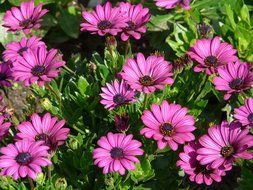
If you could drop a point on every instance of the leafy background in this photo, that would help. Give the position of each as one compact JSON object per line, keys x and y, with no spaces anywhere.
{"x":76,"y":98}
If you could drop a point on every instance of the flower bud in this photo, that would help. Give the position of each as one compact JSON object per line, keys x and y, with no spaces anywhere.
{"x":122,"y":122}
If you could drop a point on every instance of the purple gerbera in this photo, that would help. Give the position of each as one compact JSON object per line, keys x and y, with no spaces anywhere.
{"x":211,"y":54}
{"x":168,"y":124}
{"x":5,"y":74}
{"x":4,"y":127}
{"x":24,"y":158}
{"x":223,"y":144}
{"x":171,"y":4}
{"x":105,"y":20}
{"x":147,"y":75}
{"x":116,"y":94}
{"x":234,"y":78}
{"x":244,"y":114}
{"x":198,"y":173}
{"x":137,"y":17}
{"x":39,"y":65}
{"x":46,"y":129}
{"x":25,"y":18}
{"x":16,"y":49}
{"x":117,"y":153}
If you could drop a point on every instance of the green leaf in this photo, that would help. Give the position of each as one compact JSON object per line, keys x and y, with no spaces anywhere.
{"x":18,"y":2}
{"x":230,"y":15}
{"x":82,"y":85}
{"x":69,"y":22}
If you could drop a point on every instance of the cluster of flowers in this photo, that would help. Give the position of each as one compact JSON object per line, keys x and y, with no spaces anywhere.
{"x":205,"y":160}
{"x":30,"y":62}
{"x":127,"y":19}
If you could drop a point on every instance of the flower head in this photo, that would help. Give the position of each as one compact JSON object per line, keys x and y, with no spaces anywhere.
{"x":105,"y":20}
{"x":223,"y":144}
{"x":234,"y":78}
{"x":137,"y":17}
{"x":24,"y":18}
{"x":16,"y":49}
{"x":168,"y":124}
{"x":198,"y":173}
{"x":212,"y":54}
{"x":147,"y":75}
{"x":38,"y":66}
{"x":46,"y":129}
{"x":244,"y":114}
{"x":116,"y":94}
{"x":117,"y":153}
{"x":24,"y":158}
{"x":171,"y":4}
{"x":4,"y":127}
{"x":5,"y":74}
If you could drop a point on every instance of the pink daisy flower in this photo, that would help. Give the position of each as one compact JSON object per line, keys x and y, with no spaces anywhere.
{"x":223,"y":144}
{"x":168,"y":124}
{"x":4,"y":127}
{"x":137,"y":17}
{"x":211,"y":54}
{"x":171,"y":4}
{"x":5,"y":74}
{"x":244,"y":114}
{"x":16,"y":49}
{"x":24,"y":158}
{"x":105,"y":20}
{"x":46,"y":129}
{"x":147,"y":75}
{"x":198,"y":173}
{"x":234,"y":78}
{"x":25,"y":18}
{"x":116,"y":94}
{"x":117,"y":153}
{"x":37,"y":66}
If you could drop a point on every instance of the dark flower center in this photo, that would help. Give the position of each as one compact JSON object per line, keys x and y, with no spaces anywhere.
{"x":24,"y":158}
{"x":236,"y":84}
{"x":167,"y":129}
{"x":146,"y":81}
{"x":227,"y":151}
{"x":38,"y":70}
{"x":250,"y":118}
{"x":131,"y":25}
{"x":22,"y":50}
{"x":105,"y":24}
{"x":3,"y":76}
{"x":117,"y":153}
{"x":211,"y":61}
{"x":119,"y":99}
{"x":25,"y":23}
{"x":44,"y":137}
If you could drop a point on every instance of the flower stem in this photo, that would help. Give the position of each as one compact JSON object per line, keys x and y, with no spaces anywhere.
{"x":128,"y":47}
{"x":31,"y":183}
{"x":55,"y":94}
{"x":69,"y":70}
{"x":145,"y":101}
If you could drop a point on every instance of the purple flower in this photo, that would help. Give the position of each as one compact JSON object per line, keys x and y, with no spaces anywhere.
{"x":26,"y":18}
{"x":116,"y":94}
{"x":24,"y":158}
{"x":147,"y":75}
{"x":4,"y":127}
{"x":5,"y":74}
{"x":105,"y":20}
{"x":117,"y":153}
{"x":122,"y":122}
{"x":46,"y":129}
{"x":171,"y":4}
{"x":168,"y":124}
{"x":16,"y":49}
{"x":137,"y":17}
{"x":38,"y":66}
{"x":244,"y":114}
{"x":234,"y":78}
{"x":198,"y":173}
{"x":212,"y":54}
{"x":223,"y":144}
